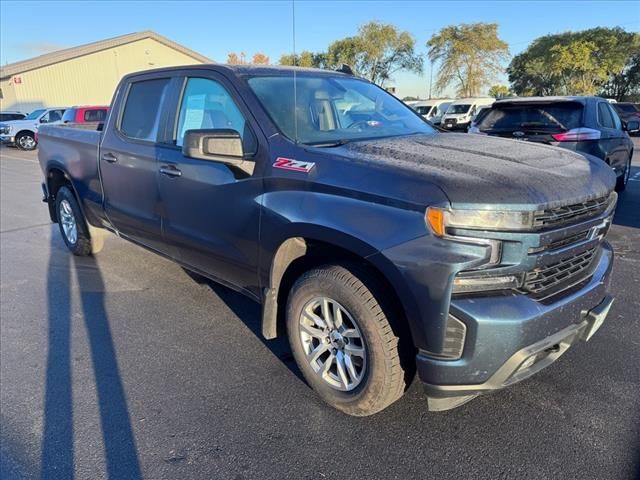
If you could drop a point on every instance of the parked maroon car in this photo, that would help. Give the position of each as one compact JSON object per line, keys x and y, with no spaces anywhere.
{"x":85,"y":114}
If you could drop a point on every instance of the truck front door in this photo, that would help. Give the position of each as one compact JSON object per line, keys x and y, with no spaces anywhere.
{"x":210,"y":212}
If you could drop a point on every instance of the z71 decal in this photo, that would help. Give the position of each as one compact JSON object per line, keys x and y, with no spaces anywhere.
{"x":296,"y":165}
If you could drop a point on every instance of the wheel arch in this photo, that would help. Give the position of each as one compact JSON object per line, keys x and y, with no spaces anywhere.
{"x":298,"y":254}
{"x":56,"y":178}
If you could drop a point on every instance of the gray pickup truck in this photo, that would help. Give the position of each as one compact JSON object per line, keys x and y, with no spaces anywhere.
{"x":380,"y":246}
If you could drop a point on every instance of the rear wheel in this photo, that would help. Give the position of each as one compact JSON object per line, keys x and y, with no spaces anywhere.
{"x":71,"y":222}
{"x":26,"y":141}
{"x":621,"y":182}
{"x":343,"y":341}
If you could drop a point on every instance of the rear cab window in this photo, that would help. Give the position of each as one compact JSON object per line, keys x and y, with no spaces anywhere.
{"x":557,"y":116}
{"x":95,"y":115}
{"x":140,"y":118}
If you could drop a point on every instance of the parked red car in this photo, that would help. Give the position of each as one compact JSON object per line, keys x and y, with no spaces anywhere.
{"x":95,"y":114}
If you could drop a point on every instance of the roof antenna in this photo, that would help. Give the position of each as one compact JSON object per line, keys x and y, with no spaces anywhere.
{"x":295,"y":64}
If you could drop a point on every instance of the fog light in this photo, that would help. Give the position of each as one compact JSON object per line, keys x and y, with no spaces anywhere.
{"x":455,"y":334}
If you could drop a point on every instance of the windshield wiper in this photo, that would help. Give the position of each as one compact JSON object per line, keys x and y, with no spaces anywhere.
{"x":544,"y":126}
{"x":336,"y":143}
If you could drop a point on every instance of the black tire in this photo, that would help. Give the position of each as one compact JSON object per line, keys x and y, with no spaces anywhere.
{"x":81,"y":245}
{"x":26,"y":141}
{"x":384,"y":379}
{"x":622,"y":180}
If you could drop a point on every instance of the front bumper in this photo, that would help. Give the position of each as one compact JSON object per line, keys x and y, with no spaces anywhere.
{"x":7,"y":139}
{"x":511,"y":337}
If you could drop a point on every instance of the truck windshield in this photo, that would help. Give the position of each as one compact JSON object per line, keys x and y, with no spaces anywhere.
{"x":334,"y":110}
{"x":35,"y":114}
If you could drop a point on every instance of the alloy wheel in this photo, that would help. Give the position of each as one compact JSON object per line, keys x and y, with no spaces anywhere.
{"x":68,"y":220}
{"x":333,"y":343}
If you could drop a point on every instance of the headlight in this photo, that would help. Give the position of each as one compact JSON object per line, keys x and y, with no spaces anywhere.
{"x":440,"y":219}
{"x":466,"y":284}
{"x":4,"y":129}
{"x":478,"y":280}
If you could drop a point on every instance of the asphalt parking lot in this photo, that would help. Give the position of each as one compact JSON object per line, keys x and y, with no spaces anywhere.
{"x":123,"y":366}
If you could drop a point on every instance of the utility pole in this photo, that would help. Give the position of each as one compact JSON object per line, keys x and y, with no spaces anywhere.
{"x":430,"y":77}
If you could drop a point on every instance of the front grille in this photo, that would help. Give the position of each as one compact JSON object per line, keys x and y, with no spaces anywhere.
{"x":553,"y":217}
{"x":579,"y":237}
{"x":450,"y":121}
{"x":545,"y":281}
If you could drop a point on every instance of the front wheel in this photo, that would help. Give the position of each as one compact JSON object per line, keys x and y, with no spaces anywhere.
{"x":621,"y":182}
{"x":26,"y":141}
{"x":343,"y":341}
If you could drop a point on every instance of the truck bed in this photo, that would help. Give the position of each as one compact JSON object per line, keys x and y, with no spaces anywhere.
{"x":75,"y":150}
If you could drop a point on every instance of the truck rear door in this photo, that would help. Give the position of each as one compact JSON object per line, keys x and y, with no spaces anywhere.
{"x":128,"y":164}
{"x":210,"y":212}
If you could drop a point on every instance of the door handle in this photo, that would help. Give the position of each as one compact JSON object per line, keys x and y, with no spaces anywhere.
{"x":109,"y":157}
{"x":170,"y":170}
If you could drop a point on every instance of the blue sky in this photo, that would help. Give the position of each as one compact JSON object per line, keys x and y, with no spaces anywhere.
{"x":216,"y":28}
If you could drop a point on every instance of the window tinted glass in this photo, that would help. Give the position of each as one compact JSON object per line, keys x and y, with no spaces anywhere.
{"x":604,"y":115}
{"x":52,"y":116}
{"x":331,"y":109}
{"x":206,"y":104}
{"x":35,"y":114}
{"x":616,"y":119}
{"x":625,"y":107}
{"x":459,"y":108}
{"x":5,"y":117}
{"x":423,"y":110}
{"x":97,"y":115}
{"x":141,"y":117}
{"x":555,"y":116}
{"x":69,"y":116}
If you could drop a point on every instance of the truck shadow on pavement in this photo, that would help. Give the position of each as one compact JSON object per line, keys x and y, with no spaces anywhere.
{"x":249,"y":313}
{"x":57,"y":440}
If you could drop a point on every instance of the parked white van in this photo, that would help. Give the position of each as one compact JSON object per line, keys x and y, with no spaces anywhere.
{"x":432,"y":110}
{"x":463,"y":111}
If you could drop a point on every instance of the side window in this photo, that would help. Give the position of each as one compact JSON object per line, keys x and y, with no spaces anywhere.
{"x":616,"y":118}
{"x":94,"y":115}
{"x":604,"y":116}
{"x":69,"y":116}
{"x":55,"y":115}
{"x":141,"y":115}
{"x":206,"y":105}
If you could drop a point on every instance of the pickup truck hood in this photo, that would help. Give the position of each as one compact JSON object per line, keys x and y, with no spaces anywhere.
{"x":18,"y":124}
{"x":477,"y":171}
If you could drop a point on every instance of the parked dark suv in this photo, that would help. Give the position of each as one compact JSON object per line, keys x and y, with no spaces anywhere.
{"x":627,"y":111}
{"x":583,"y":124}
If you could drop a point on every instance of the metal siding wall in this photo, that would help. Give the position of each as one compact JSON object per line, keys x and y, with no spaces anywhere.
{"x":88,"y":80}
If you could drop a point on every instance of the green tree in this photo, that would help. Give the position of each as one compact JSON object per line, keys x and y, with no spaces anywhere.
{"x":625,"y":85}
{"x":304,"y":59}
{"x":470,"y":56}
{"x":585,"y":62}
{"x":499,"y":91}
{"x":376,"y":52}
